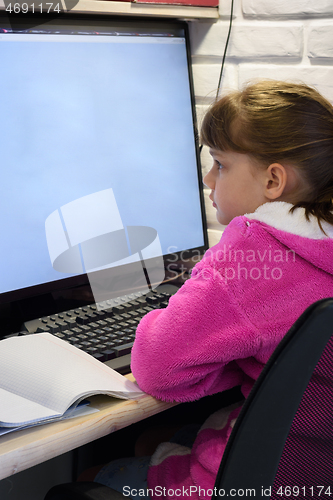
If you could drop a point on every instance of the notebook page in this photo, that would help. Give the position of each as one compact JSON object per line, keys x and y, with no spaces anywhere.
{"x":45,"y":370}
{"x":12,"y":404}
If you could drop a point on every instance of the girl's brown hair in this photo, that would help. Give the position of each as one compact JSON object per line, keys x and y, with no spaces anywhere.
{"x":277,"y":122}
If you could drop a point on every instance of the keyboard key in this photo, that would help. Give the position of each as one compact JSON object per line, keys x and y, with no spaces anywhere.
{"x":73,"y":340}
{"x":100,"y":357}
{"x":127,"y":331}
{"x":126,"y":316}
{"x":85,"y":328}
{"x":152,"y":299}
{"x":85,"y":344}
{"x":110,"y":345}
{"x":60,"y":335}
{"x":54,"y":328}
{"x":67,"y":333}
{"x":82,"y":320}
{"x":116,"y":327}
{"x":123,"y":324}
{"x":148,"y":309}
{"x":109,"y":342}
{"x":89,"y":334}
{"x":93,"y":325}
{"x":110,"y":321}
{"x":99,"y":314}
{"x":134,"y":322}
{"x":43,"y":329}
{"x":91,"y":316}
{"x":111,"y":336}
{"x":127,"y":306}
{"x":92,"y":350}
{"x":109,"y":354}
{"x":100,"y":347}
{"x":117,"y":342}
{"x":123,"y":349}
{"x":141,"y":300}
{"x":118,"y":309}
{"x":133,"y":314}
{"x":70,"y":322}
{"x":117,"y":317}
{"x":76,"y":330}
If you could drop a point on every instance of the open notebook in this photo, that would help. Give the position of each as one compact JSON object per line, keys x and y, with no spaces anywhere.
{"x":42,"y":376}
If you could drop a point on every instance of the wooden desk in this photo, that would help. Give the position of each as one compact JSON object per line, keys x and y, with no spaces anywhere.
{"x":23,"y":449}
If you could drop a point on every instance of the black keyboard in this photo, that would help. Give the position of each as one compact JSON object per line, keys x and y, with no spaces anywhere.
{"x":108,"y":335}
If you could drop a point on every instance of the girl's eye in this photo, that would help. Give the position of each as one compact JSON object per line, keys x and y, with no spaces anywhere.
{"x":218,"y":164}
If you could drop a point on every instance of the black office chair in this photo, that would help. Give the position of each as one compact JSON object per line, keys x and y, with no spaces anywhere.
{"x":282,"y":443}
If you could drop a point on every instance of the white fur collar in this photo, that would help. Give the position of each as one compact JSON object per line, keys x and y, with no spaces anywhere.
{"x":277,"y":214}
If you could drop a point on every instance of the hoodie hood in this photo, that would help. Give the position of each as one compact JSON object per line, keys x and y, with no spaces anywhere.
{"x":298,"y":234}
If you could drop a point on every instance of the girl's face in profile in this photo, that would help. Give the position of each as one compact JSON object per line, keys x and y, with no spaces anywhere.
{"x":237,"y":185}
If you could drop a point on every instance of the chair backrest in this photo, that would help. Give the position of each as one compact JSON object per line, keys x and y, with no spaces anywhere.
{"x":282,"y":443}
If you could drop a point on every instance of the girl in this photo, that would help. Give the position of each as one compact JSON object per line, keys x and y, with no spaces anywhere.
{"x":272,"y":183}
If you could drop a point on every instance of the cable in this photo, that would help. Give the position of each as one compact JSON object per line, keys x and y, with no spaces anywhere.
{"x":224,"y":56}
{"x":225,"y":49}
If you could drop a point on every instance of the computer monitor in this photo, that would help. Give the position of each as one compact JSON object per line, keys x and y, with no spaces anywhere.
{"x":94,"y":106}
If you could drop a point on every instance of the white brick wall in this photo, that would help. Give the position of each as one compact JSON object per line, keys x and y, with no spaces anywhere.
{"x":280,"y":39}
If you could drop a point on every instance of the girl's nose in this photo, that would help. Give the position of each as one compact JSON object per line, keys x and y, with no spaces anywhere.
{"x":208,"y":180}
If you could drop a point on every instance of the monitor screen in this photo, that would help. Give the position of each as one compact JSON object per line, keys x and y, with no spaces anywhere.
{"x":97,"y":130}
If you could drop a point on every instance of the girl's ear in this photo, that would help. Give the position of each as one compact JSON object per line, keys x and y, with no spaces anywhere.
{"x":275,"y":181}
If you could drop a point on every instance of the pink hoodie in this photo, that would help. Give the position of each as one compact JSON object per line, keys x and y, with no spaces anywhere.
{"x":221,"y":327}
